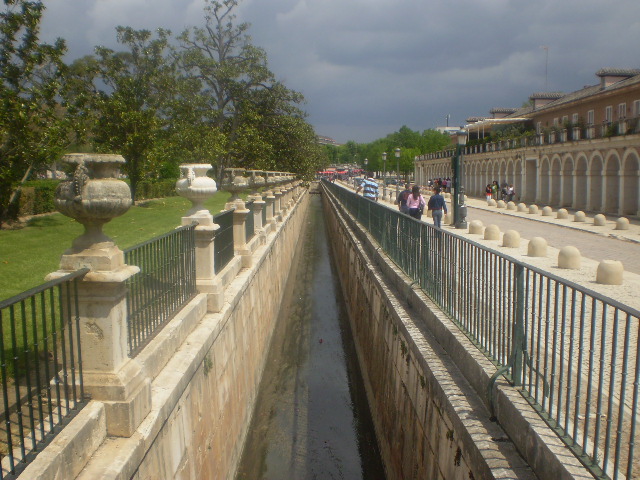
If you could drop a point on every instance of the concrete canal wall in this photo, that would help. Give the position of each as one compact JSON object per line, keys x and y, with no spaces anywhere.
{"x":205,"y":370}
{"x":422,"y":377}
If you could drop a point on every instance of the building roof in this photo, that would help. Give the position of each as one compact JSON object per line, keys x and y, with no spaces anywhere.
{"x":503,"y":110}
{"x":618,"y":72}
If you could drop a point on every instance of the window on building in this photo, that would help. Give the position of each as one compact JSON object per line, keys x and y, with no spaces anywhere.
{"x":590,"y":117}
{"x":608,"y":114}
{"x":636,"y":108}
{"x":622,"y":111}
{"x":565,"y":120}
{"x":555,"y":122}
{"x":574,"y":119}
{"x":539,"y":127}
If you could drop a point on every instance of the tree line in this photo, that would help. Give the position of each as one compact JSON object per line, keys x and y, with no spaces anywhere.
{"x":205,"y":95}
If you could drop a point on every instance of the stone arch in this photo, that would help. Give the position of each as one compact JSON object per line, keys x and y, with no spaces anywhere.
{"x":567,"y":182}
{"x":630,"y":183}
{"x":510,"y":172}
{"x":555,"y":180}
{"x":612,"y":183}
{"x":595,"y":182}
{"x":581,"y":185}
{"x":518,"y":177}
{"x":544,"y":180}
{"x":502,"y":172}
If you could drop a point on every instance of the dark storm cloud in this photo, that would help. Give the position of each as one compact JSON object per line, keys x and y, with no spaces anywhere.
{"x":367,"y":67}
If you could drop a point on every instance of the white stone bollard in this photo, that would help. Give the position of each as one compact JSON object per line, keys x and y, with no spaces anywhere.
{"x":511,"y":239}
{"x":476,"y":227}
{"x":622,"y":223}
{"x":492,"y":232}
{"x":600,"y":220}
{"x":537,"y":247}
{"x":547,"y":211}
{"x":522,"y":207}
{"x":569,"y":257}
{"x":501,"y":204}
{"x":511,"y":206}
{"x":562,"y":214}
{"x":491,"y":202}
{"x":533,"y":209}
{"x":579,"y":216}
{"x":448,"y":219}
{"x":609,"y":272}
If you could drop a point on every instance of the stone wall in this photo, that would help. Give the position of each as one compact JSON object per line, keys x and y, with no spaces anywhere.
{"x":206,"y":369}
{"x":423,"y":376}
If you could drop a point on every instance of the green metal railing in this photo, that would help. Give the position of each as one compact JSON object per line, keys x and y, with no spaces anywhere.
{"x":223,"y":243}
{"x":166,"y":282}
{"x":573,"y":352}
{"x":41,"y":369}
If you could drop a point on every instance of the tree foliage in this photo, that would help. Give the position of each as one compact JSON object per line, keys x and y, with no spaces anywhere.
{"x":34,"y":129}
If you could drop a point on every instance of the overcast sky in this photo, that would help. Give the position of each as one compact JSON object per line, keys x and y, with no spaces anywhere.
{"x":367,"y":67}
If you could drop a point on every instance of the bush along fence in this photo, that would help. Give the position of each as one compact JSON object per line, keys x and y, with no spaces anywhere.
{"x":73,"y":338}
{"x":573,"y":353}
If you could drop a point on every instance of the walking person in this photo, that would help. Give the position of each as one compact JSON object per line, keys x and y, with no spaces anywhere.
{"x":415,"y":203}
{"x":369,"y":188}
{"x":437,"y":205}
{"x":401,"y":201}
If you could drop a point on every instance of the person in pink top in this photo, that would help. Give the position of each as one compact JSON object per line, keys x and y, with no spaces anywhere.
{"x":415,"y":203}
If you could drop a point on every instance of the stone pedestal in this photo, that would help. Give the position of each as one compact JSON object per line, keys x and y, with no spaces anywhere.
{"x":277,"y":213}
{"x":240,"y":233}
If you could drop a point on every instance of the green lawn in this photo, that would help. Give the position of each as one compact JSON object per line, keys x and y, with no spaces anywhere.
{"x":29,"y":254}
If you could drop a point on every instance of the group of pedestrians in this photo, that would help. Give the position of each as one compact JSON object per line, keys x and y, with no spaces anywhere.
{"x":493,"y":191}
{"x":410,"y":201}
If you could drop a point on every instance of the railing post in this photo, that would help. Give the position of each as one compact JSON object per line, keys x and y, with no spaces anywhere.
{"x":270,"y":201}
{"x":258,"y":206}
{"x":240,"y":233}
{"x":110,"y":376}
{"x":519,"y":339}
{"x":277,"y":209}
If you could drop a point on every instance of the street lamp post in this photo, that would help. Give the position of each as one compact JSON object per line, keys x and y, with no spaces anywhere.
{"x":384,"y":174}
{"x":457,"y":165}
{"x":397,"y":150}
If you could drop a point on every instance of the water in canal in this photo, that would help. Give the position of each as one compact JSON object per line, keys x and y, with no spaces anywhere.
{"x":312,"y":420}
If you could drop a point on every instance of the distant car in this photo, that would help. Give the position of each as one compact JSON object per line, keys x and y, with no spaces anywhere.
{"x":391,"y":181}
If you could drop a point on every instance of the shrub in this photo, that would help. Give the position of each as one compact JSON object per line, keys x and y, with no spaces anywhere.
{"x":36,"y":197}
{"x":156,"y":188}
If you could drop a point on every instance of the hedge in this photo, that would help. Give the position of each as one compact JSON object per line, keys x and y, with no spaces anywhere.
{"x":36,"y":196}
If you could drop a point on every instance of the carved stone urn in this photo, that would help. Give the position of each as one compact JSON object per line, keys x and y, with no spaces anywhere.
{"x":234,"y":183}
{"x":256,"y":181}
{"x":196,"y":186}
{"x":93,"y":196}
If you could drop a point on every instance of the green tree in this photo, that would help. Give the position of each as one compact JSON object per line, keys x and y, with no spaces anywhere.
{"x":34,"y":128}
{"x":231,"y":70}
{"x":133,"y":89}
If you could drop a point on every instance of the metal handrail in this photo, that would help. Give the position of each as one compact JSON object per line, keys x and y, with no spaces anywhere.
{"x":573,"y":352}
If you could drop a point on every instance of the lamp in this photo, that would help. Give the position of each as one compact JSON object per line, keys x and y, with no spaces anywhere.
{"x":459,"y":208}
{"x":384,"y":174}
{"x":397,"y":151}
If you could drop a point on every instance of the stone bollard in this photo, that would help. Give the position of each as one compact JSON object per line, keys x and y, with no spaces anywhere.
{"x":511,"y":239}
{"x":501,"y":204}
{"x":492,"y":232}
{"x":522,"y":207}
{"x":511,"y":206}
{"x":600,"y":220}
{"x":533,"y":209}
{"x":579,"y":216}
{"x":240,"y":246}
{"x":547,"y":211}
{"x":491,"y":202}
{"x":609,"y":272}
{"x":562,"y":214}
{"x":622,"y":223}
{"x":537,"y":247}
{"x":448,"y":219}
{"x":569,"y":257}
{"x":476,"y":227}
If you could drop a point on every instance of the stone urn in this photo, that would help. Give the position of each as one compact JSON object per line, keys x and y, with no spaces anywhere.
{"x":256,"y":182}
{"x":93,"y":196}
{"x":195,"y":185}
{"x":234,"y":183}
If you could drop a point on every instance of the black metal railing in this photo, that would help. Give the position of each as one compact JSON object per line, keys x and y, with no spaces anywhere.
{"x":573,"y":352}
{"x":250,"y":222}
{"x":165,"y":283}
{"x":41,"y":369}
{"x":223,"y":242}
